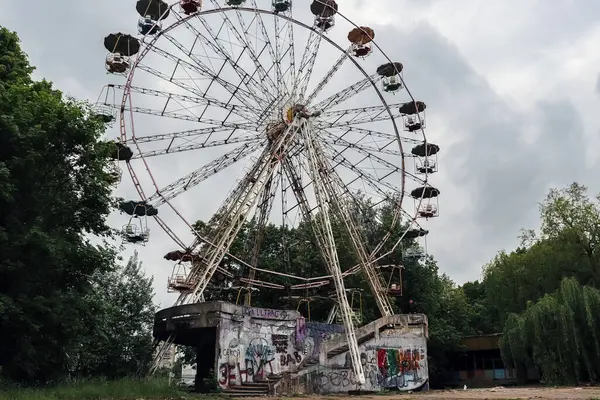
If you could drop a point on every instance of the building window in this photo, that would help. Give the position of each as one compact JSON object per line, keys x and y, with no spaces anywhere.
{"x":488,"y":363}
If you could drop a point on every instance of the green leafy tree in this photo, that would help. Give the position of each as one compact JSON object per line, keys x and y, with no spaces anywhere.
{"x":545,"y":293}
{"x":557,"y":335}
{"x":54,"y":190}
{"x":566,"y":246}
{"x":119,"y":340}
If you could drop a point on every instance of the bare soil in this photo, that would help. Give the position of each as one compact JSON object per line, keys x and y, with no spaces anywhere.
{"x":585,"y":393}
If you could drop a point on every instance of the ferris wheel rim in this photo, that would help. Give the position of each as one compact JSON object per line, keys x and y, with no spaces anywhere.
{"x":399,"y":211}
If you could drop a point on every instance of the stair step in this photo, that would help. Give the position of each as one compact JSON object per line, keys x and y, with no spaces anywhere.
{"x":243,"y":394}
{"x":250,"y":388}
{"x":256,"y":391}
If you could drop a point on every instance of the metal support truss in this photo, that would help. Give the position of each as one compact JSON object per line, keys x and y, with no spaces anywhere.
{"x":206,"y":171}
{"x":233,"y":213}
{"x":335,"y":190}
{"x":322,"y":229}
{"x":265,"y":204}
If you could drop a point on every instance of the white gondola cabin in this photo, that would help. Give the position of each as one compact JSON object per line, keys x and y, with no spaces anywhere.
{"x":135,"y":233}
{"x":391,"y":84}
{"x":117,"y":63}
{"x":148,"y":26}
{"x":428,"y":210}
{"x":426,"y":165}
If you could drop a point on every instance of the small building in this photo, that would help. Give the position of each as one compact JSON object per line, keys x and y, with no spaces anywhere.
{"x":481,"y":364}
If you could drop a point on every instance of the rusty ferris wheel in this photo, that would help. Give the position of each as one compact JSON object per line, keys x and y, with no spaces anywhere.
{"x":306,"y":101}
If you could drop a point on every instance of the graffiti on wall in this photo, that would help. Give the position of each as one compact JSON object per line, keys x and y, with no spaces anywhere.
{"x":259,"y":357}
{"x":257,"y":363}
{"x":267,"y":345}
{"x":384,"y":368}
{"x":264,"y":313}
{"x":401,"y":368}
{"x":251,"y":352}
{"x":286,"y":357}
{"x":316,"y":334}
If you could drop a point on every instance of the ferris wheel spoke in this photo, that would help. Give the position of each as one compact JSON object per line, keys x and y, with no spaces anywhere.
{"x":191,"y":180}
{"x":242,"y":38}
{"x":203,"y":145}
{"x":330,"y":74}
{"x":338,"y":141}
{"x":280,"y":54}
{"x":240,"y":110}
{"x":249,"y":81}
{"x":245,"y":79}
{"x":387,"y":164}
{"x":179,"y":116}
{"x":203,"y":70}
{"x":307,"y":63}
{"x":271,"y":50}
{"x":371,"y":133}
{"x":250,"y":114}
{"x":338,"y":157}
{"x":366,"y":177}
{"x":267,"y":45}
{"x":347,"y":93}
{"x":357,"y":116}
{"x":172,"y":136}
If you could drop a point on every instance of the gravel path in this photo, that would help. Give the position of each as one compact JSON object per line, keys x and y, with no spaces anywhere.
{"x":470,"y":394}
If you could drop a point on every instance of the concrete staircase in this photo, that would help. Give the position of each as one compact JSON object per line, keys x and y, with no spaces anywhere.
{"x":248,"y":390}
{"x":338,"y":345}
{"x":253,"y":389}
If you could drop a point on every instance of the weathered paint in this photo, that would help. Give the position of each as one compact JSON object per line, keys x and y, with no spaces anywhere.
{"x":256,"y":344}
{"x":395,"y":360}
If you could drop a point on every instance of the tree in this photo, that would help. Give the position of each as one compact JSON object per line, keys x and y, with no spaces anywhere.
{"x":119,"y":340}
{"x":545,"y":293}
{"x":482,"y":316}
{"x":566,"y":246}
{"x":54,"y":189}
{"x":558,"y":335}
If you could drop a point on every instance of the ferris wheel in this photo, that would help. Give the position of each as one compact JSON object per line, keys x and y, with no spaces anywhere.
{"x":292,"y":107}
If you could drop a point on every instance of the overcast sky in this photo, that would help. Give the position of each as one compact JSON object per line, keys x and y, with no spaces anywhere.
{"x":512,"y":88}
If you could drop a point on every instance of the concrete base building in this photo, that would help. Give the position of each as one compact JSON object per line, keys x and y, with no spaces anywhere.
{"x":266,"y":351}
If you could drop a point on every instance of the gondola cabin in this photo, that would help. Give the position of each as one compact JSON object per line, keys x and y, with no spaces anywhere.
{"x":190,"y":7}
{"x":148,"y":26}
{"x":117,"y":63}
{"x":391,"y":84}
{"x":281,"y":6}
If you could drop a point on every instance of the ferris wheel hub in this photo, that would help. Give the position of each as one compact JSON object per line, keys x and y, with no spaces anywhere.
{"x":299,"y":110}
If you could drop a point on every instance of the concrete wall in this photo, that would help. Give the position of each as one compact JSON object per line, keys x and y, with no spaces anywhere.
{"x":255,"y":344}
{"x":395,"y":360}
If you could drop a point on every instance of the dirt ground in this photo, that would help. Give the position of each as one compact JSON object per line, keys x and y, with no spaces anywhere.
{"x":495,"y":393}
{"x":514,"y":393}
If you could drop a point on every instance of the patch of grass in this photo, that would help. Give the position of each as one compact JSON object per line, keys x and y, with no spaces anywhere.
{"x":101,"y":390}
